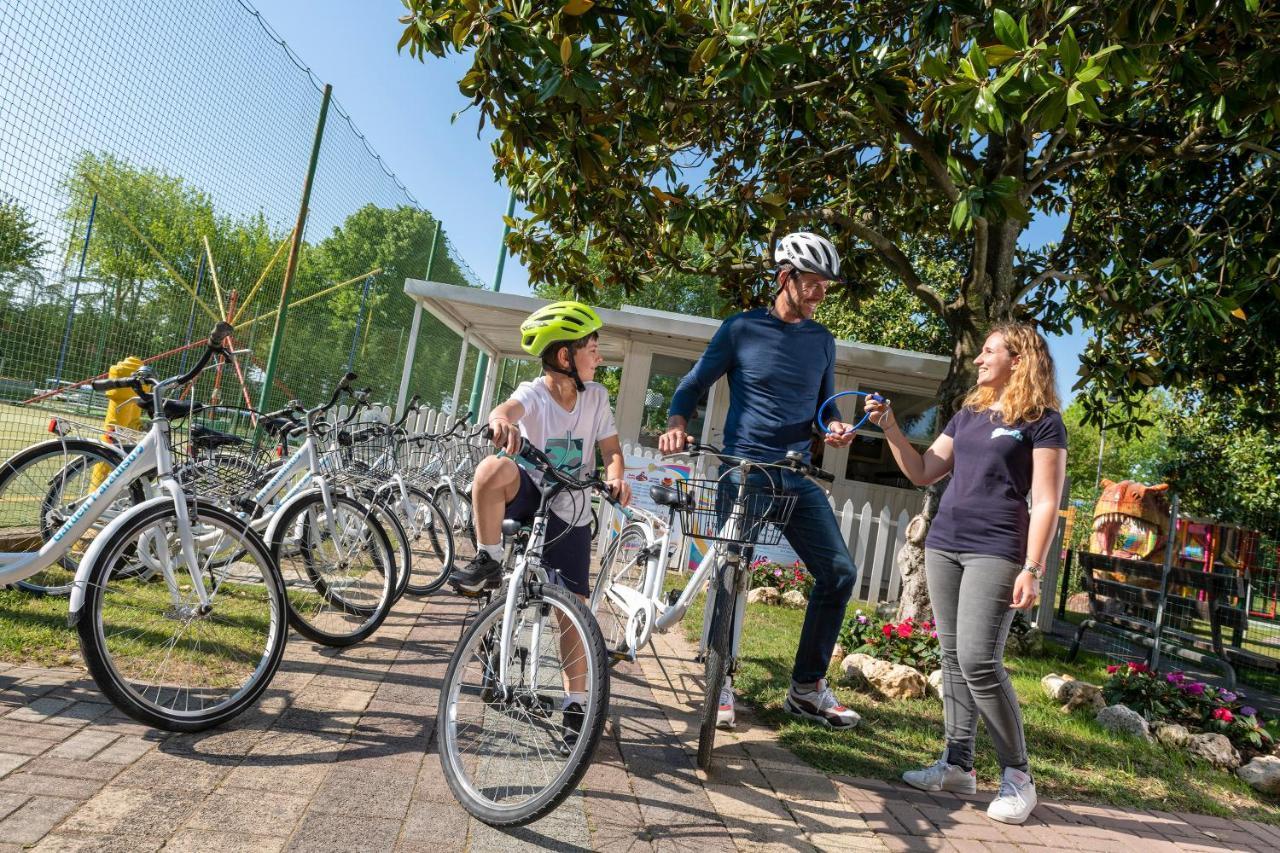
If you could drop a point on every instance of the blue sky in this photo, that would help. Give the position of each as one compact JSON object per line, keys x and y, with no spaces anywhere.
{"x":404,"y":107}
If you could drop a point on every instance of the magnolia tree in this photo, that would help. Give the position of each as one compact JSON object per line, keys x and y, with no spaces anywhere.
{"x":1145,"y":128}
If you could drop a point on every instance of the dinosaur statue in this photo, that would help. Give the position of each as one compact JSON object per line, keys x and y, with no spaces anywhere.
{"x":1130,"y":520}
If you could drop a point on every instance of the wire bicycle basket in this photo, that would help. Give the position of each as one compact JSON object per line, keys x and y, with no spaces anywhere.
{"x":760,"y":512}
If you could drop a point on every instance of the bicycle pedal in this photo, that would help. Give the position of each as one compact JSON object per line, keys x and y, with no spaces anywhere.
{"x":673,"y":595}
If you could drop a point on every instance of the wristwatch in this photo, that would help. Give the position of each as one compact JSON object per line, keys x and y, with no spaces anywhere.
{"x":1036,"y":569}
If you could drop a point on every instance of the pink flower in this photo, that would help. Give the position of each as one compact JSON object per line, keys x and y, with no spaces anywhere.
{"x":1112,"y":669}
{"x":888,"y":629}
{"x":777,"y":573}
{"x":1175,"y":678}
{"x":933,"y":635}
{"x":905,"y":629}
{"x":1195,"y":688}
{"x":862,"y":620}
{"x":1223,"y":714}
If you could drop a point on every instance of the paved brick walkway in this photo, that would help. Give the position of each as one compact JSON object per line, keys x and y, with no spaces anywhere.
{"x":339,"y":756}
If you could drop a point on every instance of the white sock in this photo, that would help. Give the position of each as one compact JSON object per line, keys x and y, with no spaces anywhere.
{"x":570,"y":698}
{"x":494,"y":551}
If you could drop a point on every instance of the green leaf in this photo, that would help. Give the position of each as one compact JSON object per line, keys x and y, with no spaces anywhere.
{"x":1088,"y":72}
{"x":1251,"y":5}
{"x":741,"y":34}
{"x":1074,"y":96}
{"x":1089,"y":107}
{"x":1069,"y":52}
{"x":598,"y":50}
{"x":1068,"y":15}
{"x":998,"y":54}
{"x":1219,"y":108}
{"x":960,"y":215}
{"x":934,"y":67}
{"x":1007,"y":30}
{"x":979,"y":61}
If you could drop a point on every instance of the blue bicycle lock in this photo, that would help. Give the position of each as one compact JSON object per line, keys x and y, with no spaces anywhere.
{"x":871,"y":395}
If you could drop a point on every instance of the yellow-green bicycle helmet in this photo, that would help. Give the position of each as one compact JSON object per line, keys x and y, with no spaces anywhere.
{"x":559,"y":321}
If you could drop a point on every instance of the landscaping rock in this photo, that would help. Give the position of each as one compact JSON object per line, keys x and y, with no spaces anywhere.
{"x":1122,"y":718}
{"x":794,"y":598}
{"x":851,"y":668}
{"x":1172,"y":735}
{"x":1215,"y":749}
{"x":763,"y":595}
{"x":837,"y":655}
{"x":1262,"y":774}
{"x":935,"y":683}
{"x":1030,"y":644}
{"x":900,"y":682}
{"x":1054,"y":684}
{"x":1082,"y":694}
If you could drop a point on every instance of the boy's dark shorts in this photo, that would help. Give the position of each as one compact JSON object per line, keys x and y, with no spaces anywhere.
{"x":567,"y":549}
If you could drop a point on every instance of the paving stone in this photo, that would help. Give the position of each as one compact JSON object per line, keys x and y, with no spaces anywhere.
{"x":39,"y":711}
{"x":335,"y":833}
{"x":133,"y":811}
{"x":33,"y":819}
{"x":354,"y":790}
{"x":83,"y":745}
{"x":10,"y":762}
{"x":50,"y":786}
{"x":439,"y":825}
{"x":126,"y":749}
{"x":202,"y":841}
{"x":95,"y":770}
{"x":24,"y":745}
{"x":271,"y":813}
{"x":60,"y":842}
{"x":158,"y":770}
{"x":9,"y":803}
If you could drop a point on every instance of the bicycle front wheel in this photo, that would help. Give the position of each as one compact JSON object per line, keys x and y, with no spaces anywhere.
{"x":623,"y":567}
{"x":456,"y":507}
{"x":430,"y":538}
{"x":154,"y":651}
{"x":719,"y":640}
{"x":511,"y":753}
{"x":339,"y":569}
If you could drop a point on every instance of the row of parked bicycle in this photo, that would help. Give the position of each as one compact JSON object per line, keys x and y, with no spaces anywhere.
{"x":187,"y":553}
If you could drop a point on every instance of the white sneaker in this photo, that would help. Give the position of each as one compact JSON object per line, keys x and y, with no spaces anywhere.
{"x":942,"y":776}
{"x":724,"y":714}
{"x":820,"y":705}
{"x":1016,"y":799}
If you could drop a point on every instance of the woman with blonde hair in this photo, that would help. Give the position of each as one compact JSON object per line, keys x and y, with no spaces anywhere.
{"x":985,"y":552}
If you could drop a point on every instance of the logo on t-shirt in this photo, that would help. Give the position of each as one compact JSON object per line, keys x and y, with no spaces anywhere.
{"x":565,"y":453}
{"x":999,"y":431}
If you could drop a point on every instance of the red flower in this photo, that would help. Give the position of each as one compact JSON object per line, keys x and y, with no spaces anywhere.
{"x":1138,"y":667}
{"x":1223,"y":714}
{"x":1112,"y":669}
{"x":905,"y":629}
{"x":888,"y":629}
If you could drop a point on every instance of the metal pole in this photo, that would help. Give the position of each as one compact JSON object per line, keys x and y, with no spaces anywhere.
{"x":355,"y":338}
{"x":482,"y":364}
{"x":1170,"y":546}
{"x":412,"y":351}
{"x":75,"y":295}
{"x":191,"y":317}
{"x":1102,"y":437}
{"x":295,"y":246}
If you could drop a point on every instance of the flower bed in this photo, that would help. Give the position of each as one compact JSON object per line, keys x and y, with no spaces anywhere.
{"x":906,"y":642}
{"x":782,"y":578}
{"x":1175,"y":698}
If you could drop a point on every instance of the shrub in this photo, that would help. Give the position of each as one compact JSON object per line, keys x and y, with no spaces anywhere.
{"x":780,"y":577}
{"x":906,"y":642}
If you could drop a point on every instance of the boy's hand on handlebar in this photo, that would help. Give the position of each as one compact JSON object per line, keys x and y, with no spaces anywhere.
{"x":506,"y":435}
{"x":880,"y":412}
{"x":621,"y":491}
{"x":674,"y":440}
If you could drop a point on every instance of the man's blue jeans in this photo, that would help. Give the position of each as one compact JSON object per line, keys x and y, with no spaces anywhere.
{"x":815,"y":536}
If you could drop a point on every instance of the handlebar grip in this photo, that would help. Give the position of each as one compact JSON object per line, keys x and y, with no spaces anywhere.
{"x":219,"y":335}
{"x":825,"y":476}
{"x":345,"y":382}
{"x":111,"y":384}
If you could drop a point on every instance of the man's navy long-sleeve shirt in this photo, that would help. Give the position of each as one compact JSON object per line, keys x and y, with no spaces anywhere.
{"x":779,"y":373}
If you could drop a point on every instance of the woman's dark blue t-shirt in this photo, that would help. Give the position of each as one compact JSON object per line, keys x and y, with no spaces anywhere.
{"x":984,"y":509}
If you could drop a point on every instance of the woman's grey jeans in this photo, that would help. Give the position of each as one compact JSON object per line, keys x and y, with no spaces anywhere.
{"x":971,"y":595}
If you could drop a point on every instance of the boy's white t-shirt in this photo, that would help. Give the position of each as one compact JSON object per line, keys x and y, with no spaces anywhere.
{"x":567,"y":437}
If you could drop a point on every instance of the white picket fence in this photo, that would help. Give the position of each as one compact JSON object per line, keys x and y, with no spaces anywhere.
{"x":873,"y":534}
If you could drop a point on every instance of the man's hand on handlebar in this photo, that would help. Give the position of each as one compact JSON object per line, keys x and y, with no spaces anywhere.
{"x":620,"y":490}
{"x":506,"y":435}
{"x":674,"y":440}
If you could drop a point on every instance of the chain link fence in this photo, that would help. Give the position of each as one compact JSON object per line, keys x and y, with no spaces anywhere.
{"x":153,"y":159}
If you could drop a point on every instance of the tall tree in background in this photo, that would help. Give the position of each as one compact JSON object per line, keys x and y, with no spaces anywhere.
{"x":891,"y":120}
{"x":21,"y":248}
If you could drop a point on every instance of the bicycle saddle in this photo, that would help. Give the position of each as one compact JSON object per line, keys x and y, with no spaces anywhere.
{"x":666,"y":496}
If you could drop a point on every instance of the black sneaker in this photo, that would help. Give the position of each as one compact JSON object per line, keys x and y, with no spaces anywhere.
{"x":483,"y":572}
{"x":573,"y":718}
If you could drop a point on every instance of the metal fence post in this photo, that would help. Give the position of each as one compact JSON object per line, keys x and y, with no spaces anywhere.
{"x":355,"y":337}
{"x":295,"y":246}
{"x":411,"y":351}
{"x":75,"y":294}
{"x":1170,"y":545}
{"x":482,"y":363}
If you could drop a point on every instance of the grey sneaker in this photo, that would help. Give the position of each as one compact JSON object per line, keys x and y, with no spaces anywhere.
{"x":820,"y":705}
{"x":1016,"y":799}
{"x":725,"y":717}
{"x":942,"y":776}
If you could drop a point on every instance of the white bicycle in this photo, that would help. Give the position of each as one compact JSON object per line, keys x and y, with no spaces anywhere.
{"x":179,"y":607}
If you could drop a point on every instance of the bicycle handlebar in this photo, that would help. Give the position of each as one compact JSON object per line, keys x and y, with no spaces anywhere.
{"x":549,"y":469}
{"x":792,"y":462}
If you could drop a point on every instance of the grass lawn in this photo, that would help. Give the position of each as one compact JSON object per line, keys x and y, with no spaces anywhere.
{"x":1072,"y":758}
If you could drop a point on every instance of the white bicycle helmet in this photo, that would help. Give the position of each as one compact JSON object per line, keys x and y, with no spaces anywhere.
{"x":809,"y":252}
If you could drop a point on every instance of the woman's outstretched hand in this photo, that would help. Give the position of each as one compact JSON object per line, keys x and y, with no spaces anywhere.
{"x":880,"y":412}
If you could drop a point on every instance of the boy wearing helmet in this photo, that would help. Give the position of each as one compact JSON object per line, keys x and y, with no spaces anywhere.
{"x":781,"y":366}
{"x":567,"y":416}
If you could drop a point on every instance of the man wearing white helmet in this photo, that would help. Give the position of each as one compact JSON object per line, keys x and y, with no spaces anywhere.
{"x":781,"y":366}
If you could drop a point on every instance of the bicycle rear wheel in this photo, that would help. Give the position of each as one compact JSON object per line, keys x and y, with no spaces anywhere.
{"x":456,"y":507}
{"x":339,"y":571}
{"x":719,"y":640}
{"x":622,"y":567}
{"x":506,"y":752}
{"x":154,"y":651}
{"x":430,"y":539}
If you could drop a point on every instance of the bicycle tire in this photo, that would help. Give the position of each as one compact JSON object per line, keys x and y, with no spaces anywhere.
{"x":378,"y":541}
{"x":477,"y":634}
{"x":632,"y":574}
{"x":461,"y":523}
{"x":432,"y":539}
{"x":47,"y":525}
{"x":716,"y":662}
{"x":106,"y":668}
